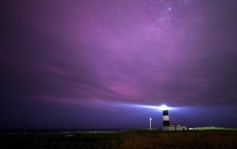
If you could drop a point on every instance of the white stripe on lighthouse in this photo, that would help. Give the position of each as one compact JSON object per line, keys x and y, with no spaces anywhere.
{"x":165,"y":118}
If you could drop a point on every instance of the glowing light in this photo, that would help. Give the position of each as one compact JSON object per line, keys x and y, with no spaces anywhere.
{"x":130,"y":105}
{"x":164,"y":107}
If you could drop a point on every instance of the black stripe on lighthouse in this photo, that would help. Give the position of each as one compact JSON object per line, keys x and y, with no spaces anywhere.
{"x":166,"y":121}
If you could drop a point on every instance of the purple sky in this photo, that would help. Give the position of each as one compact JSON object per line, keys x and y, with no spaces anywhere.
{"x":84,"y":63}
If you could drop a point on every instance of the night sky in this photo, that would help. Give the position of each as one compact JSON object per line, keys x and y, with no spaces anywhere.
{"x":93,"y":64}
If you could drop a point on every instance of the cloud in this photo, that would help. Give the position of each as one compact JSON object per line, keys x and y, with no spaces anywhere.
{"x":65,"y":54}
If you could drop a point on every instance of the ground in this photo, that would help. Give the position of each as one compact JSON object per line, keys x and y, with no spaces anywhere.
{"x":127,"y":139}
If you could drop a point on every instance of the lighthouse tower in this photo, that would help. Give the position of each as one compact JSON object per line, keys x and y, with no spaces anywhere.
{"x":166,"y":120}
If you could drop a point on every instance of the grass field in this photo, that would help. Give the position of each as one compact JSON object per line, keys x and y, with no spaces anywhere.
{"x":127,"y":139}
{"x":214,"y":128}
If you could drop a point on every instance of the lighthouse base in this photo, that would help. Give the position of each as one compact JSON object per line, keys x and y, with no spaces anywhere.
{"x":174,"y":128}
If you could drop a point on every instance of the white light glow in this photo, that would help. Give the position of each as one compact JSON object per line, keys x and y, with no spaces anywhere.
{"x":161,"y":108}
{"x":164,"y":107}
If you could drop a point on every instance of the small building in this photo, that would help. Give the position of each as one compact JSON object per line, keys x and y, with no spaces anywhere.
{"x":174,"y":127}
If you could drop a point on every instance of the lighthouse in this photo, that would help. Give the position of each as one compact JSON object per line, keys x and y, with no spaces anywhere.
{"x":166,"y":121}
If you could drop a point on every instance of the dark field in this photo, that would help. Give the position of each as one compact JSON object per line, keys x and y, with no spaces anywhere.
{"x":131,"y":139}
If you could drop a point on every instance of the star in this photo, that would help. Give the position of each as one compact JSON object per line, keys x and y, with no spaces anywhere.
{"x":120,"y":10}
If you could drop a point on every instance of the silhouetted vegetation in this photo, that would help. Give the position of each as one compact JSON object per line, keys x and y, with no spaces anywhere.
{"x":132,"y":139}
